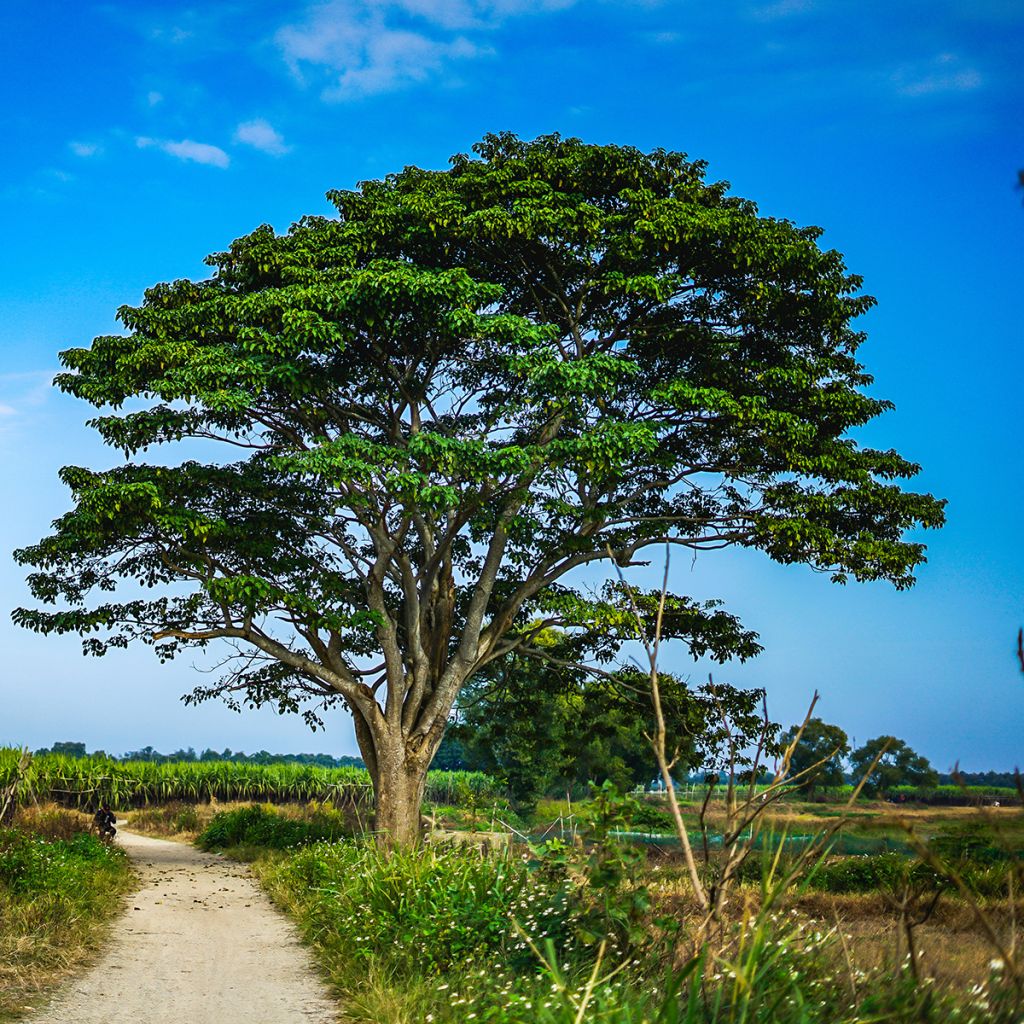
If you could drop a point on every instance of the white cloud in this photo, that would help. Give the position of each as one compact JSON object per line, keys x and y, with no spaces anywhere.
{"x":153,"y":97}
{"x":259,"y":134}
{"x":370,"y":47}
{"x":961,"y":81}
{"x":187,"y":149}
{"x":395,"y":59}
{"x":84,"y":149}
{"x":944,"y":73}
{"x":174,"y":34}
{"x":21,"y":394}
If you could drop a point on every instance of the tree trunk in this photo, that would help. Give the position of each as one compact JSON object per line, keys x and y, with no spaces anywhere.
{"x":398,"y":787}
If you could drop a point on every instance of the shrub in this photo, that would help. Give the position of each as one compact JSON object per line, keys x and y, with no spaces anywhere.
{"x":966,"y":842}
{"x":31,"y":863}
{"x":885,"y":872}
{"x":260,"y":825}
{"x":643,"y":816}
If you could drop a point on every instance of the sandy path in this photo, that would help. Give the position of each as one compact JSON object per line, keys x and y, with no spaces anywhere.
{"x":199,"y":944}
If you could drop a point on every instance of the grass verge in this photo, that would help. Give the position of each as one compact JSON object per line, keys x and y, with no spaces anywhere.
{"x":59,"y":889}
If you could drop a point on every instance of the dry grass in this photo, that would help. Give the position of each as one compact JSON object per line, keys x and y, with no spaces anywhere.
{"x":952,"y":949}
{"x":872,"y":818}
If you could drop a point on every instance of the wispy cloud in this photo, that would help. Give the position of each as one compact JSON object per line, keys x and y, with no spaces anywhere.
{"x":173,"y":34}
{"x":21,"y":394}
{"x":945,"y":73}
{"x":365,"y":54}
{"x":259,"y":134}
{"x":153,"y":97}
{"x":85,"y":149}
{"x":463,"y":14}
{"x":368,"y":47}
{"x":187,"y":149}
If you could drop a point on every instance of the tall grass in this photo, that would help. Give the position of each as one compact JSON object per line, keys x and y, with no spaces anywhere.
{"x":85,"y":782}
{"x":59,"y":886}
{"x":421,"y":935}
{"x":449,"y":937}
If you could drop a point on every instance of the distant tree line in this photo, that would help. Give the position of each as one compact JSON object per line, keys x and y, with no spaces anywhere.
{"x":188,"y":754}
{"x":997,"y":780}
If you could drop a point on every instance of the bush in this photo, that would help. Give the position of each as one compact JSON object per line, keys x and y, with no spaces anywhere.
{"x":647,"y":818}
{"x":885,"y":872}
{"x":966,"y":842}
{"x":260,"y":825}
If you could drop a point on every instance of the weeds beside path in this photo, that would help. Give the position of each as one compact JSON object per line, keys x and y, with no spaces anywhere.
{"x":60,"y":889}
{"x":198,"y":942}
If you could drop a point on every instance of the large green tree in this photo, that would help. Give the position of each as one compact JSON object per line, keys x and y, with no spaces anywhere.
{"x":422,"y":416}
{"x":896,"y":765}
{"x":819,"y":749}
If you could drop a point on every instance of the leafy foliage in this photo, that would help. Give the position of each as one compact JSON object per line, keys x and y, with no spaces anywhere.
{"x":259,"y":825}
{"x":435,"y":407}
{"x":897,"y":766}
{"x":819,"y":752}
{"x":538,"y":726}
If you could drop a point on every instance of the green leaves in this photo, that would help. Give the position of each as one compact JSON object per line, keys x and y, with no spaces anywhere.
{"x":432,"y":408}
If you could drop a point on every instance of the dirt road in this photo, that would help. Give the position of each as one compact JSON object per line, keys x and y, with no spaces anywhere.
{"x":199,"y":943}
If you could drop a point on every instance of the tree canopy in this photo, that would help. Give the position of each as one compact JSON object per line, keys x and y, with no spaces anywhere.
{"x":898,"y":765}
{"x":818,"y":754}
{"x":405,"y":428}
{"x":544,"y":726}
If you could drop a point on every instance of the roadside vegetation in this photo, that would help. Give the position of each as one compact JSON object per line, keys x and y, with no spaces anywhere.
{"x":585,"y":924}
{"x":60,"y":887}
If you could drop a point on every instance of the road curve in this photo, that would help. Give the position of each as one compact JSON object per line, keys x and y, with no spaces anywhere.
{"x":198,"y":943}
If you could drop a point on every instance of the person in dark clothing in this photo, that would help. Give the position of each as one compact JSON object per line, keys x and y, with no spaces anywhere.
{"x":105,"y":821}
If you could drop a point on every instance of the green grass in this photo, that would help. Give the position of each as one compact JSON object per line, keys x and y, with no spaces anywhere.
{"x":59,"y":888}
{"x":446,"y":936}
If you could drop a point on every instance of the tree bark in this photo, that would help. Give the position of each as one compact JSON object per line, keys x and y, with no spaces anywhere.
{"x":398,"y":787}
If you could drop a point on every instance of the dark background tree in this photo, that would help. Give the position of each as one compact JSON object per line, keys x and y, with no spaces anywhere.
{"x":545,"y":726}
{"x":443,"y":403}
{"x":819,"y":742}
{"x":898,"y":766}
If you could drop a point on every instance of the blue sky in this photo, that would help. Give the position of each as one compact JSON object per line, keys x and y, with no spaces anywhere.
{"x":140,"y":137}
